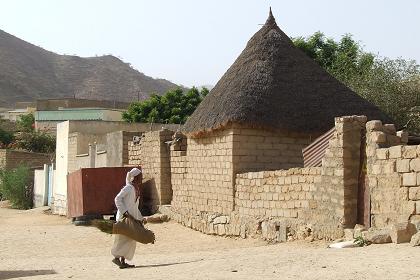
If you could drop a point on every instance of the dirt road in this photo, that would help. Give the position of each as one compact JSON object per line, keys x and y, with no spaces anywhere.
{"x":34,"y":245}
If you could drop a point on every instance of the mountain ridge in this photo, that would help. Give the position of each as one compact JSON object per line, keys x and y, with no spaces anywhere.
{"x":29,"y":72}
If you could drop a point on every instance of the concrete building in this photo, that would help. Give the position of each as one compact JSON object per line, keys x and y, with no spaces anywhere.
{"x":48,"y":120}
{"x":91,"y":144}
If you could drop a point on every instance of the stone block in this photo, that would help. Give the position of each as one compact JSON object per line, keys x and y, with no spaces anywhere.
{"x":389,"y":128}
{"x":403,"y":135}
{"x":415,"y":239}
{"x":374,"y":125}
{"x":409,"y":151}
{"x":403,"y":165}
{"x":414,"y":193}
{"x":377,"y":236}
{"x":415,"y":220}
{"x":349,"y":233}
{"x":402,"y":232}
{"x":415,"y":164}
{"x":376,"y":169}
{"x":407,"y":207}
{"x":358,"y":229}
{"x":409,"y":179}
{"x":395,"y":152}
{"x":382,"y":153}
{"x":389,"y":167}
{"x":393,"y":140}
{"x":378,"y":137}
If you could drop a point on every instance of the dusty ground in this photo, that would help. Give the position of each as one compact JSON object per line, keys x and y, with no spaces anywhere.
{"x":39,"y":246}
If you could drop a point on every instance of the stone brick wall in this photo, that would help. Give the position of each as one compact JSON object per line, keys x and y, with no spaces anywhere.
{"x":393,"y":175}
{"x":258,"y":150}
{"x":208,"y":182}
{"x":153,"y":155}
{"x":274,"y":204}
{"x":338,"y":190}
{"x":180,"y":198}
{"x":282,"y":193}
{"x":10,"y":159}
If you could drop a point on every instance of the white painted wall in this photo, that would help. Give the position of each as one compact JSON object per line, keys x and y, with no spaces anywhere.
{"x":40,"y":191}
{"x":61,"y":161}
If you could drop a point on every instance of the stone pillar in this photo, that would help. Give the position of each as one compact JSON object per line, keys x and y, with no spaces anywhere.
{"x":340,"y":170}
{"x":92,"y":155}
{"x":352,"y":130}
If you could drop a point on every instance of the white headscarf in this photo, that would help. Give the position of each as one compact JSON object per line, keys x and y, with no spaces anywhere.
{"x":131,"y":174}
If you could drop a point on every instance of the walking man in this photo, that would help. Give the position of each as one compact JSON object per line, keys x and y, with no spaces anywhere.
{"x":127,"y":202}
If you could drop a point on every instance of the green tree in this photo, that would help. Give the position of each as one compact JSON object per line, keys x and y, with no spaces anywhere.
{"x":175,"y":106}
{"x":26,"y":123}
{"x":392,"y":85}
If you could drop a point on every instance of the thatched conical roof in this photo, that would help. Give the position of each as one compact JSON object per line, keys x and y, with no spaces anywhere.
{"x":274,"y":85}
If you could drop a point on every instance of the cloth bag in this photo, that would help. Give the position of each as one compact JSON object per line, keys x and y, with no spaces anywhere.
{"x":134,"y":229}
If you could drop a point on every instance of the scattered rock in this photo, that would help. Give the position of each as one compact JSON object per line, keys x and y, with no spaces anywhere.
{"x":358,"y":229}
{"x":158,"y":218}
{"x":379,"y":236}
{"x":402,"y":232}
{"x":415,"y":239}
{"x":348,"y":234}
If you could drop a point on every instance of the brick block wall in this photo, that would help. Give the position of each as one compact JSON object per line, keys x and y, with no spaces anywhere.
{"x":267,"y":202}
{"x":276,"y":194}
{"x":209,"y":179}
{"x":393,"y":170}
{"x":258,"y":150}
{"x":153,"y":155}
{"x":10,"y":159}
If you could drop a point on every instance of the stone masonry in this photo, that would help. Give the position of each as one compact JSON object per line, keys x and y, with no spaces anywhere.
{"x":152,"y":154}
{"x":393,"y":176}
{"x":213,"y":194}
{"x":12,"y":158}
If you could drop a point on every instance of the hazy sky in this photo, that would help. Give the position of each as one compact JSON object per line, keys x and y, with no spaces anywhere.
{"x":193,"y":42}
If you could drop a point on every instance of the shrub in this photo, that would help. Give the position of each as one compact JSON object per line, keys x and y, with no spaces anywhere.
{"x":5,"y":137}
{"x":37,"y":141}
{"x":15,"y":186}
{"x":26,"y":123}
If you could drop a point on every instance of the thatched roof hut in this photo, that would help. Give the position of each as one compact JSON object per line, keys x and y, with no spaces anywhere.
{"x":274,"y":85}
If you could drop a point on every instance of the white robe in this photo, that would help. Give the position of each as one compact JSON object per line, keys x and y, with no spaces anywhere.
{"x":126,"y":201}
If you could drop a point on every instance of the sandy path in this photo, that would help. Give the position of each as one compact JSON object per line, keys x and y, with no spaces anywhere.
{"x":39,"y":246}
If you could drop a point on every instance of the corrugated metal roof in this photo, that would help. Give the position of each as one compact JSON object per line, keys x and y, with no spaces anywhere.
{"x":72,"y":114}
{"x":313,"y":154}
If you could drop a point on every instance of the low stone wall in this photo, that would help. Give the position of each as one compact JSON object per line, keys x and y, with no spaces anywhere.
{"x":283,"y":193}
{"x":393,"y":176}
{"x":10,"y":159}
{"x":277,"y":205}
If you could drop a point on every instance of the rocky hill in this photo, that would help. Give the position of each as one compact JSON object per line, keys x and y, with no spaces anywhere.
{"x":28,"y":72}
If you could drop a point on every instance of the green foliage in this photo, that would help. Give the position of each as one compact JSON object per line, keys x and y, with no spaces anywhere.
{"x":26,"y":123}
{"x":15,"y":186}
{"x":6,"y":137}
{"x":173,"y":107}
{"x":37,"y":141}
{"x":392,"y":85}
{"x":361,"y":242}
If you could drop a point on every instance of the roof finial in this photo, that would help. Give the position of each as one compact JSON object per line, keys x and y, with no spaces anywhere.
{"x":270,"y":19}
